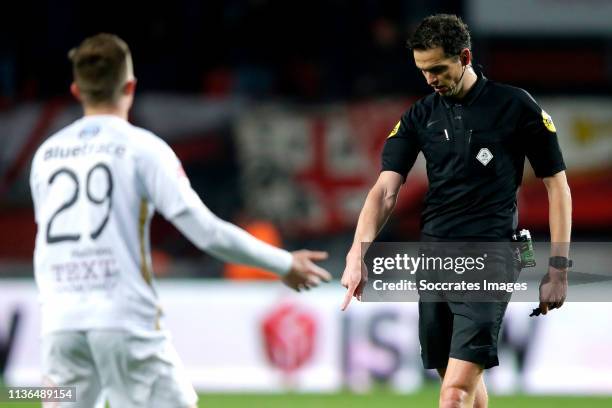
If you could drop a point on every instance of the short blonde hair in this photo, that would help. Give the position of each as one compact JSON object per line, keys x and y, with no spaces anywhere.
{"x":100,"y":67}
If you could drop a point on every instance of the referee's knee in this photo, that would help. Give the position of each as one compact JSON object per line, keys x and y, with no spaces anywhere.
{"x":453,"y":397}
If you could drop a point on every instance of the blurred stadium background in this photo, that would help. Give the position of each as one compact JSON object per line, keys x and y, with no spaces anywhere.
{"x":278,"y":111}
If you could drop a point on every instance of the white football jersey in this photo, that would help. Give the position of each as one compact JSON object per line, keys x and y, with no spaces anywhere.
{"x":95,"y":185}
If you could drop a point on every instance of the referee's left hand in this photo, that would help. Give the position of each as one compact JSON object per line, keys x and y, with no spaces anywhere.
{"x":553,"y":289}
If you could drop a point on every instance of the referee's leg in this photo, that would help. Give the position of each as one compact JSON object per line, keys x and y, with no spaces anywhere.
{"x":462,"y":385}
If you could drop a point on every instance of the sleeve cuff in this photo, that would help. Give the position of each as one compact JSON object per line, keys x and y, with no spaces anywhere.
{"x":551,"y":171}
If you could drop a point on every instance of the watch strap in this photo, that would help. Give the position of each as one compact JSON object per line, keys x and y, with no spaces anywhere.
{"x":560,"y":262}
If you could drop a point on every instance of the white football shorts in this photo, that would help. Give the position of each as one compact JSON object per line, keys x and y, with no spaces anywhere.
{"x":132,"y":371}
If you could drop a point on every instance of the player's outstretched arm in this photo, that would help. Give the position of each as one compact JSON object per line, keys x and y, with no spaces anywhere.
{"x":167,"y":186}
{"x":230,"y":243}
{"x":378,"y":206}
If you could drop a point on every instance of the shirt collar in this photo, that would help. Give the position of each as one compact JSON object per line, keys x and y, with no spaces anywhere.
{"x":472,"y":94}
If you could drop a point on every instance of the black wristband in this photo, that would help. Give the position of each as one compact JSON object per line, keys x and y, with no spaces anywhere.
{"x":560,"y":262}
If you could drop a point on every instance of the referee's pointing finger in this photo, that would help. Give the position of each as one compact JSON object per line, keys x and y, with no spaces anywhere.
{"x":348,"y":296}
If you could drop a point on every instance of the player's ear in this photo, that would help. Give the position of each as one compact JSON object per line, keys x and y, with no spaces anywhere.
{"x":74,"y":90}
{"x":130,"y":87}
{"x":465,"y":56}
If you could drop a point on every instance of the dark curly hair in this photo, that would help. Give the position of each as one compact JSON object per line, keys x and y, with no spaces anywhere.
{"x":441,"y":30}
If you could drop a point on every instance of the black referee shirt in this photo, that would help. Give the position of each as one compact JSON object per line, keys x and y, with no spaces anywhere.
{"x":475,"y":149}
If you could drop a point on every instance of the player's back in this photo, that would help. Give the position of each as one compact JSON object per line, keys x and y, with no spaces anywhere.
{"x":93,"y":184}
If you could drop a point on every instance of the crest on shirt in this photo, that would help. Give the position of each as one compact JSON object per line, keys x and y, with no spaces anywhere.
{"x":89,"y":131}
{"x":548,"y":122}
{"x":394,"y":131}
{"x":484,"y":156}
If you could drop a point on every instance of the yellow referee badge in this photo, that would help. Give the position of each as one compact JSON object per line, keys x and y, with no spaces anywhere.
{"x":548,"y":121}
{"x":396,"y":128}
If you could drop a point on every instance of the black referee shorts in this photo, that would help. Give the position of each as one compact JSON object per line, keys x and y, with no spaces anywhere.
{"x":463,"y":327}
{"x":463,"y":330}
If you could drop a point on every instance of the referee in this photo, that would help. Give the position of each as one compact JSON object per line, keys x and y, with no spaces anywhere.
{"x":475,"y":134}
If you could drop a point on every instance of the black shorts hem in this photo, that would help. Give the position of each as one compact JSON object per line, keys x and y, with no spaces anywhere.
{"x":487,"y":363}
{"x":483,"y":361}
{"x":429,"y":365}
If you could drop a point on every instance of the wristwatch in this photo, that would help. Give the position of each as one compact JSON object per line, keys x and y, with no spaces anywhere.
{"x":560,"y":262}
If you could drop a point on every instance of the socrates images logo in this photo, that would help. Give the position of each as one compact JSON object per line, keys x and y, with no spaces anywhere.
{"x":484,"y":156}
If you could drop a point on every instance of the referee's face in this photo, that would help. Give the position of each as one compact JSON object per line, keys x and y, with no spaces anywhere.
{"x":442,"y":73}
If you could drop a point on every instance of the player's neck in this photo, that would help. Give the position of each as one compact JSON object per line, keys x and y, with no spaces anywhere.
{"x":468,"y":82}
{"x":106,"y":110}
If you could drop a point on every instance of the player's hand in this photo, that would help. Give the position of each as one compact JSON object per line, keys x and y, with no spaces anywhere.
{"x":553,"y":289}
{"x":354,"y":279}
{"x":304,"y":273}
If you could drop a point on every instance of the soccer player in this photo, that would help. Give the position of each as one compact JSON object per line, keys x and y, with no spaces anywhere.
{"x":475,"y":135}
{"x":95,"y":185}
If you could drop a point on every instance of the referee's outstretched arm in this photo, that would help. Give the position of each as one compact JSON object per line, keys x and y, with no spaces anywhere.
{"x":378,"y":206}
